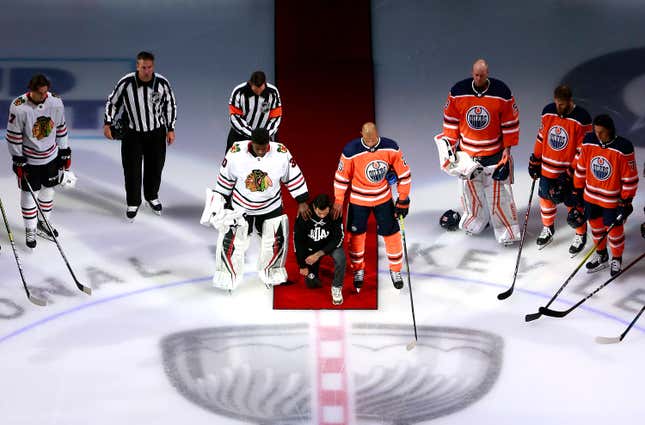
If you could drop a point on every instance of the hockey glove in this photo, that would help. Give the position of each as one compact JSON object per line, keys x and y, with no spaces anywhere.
{"x":391,"y":177}
{"x":575,"y":218}
{"x":65,"y":158}
{"x":18,"y":167}
{"x":577,"y":200}
{"x":401,"y":208}
{"x":624,"y":209}
{"x":535,"y":167}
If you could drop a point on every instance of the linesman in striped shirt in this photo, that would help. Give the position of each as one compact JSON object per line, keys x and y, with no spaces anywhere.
{"x":254,"y":104}
{"x":148,"y":105}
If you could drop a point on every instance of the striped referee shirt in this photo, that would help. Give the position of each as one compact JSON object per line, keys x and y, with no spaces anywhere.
{"x":250,"y":111}
{"x":148,"y":105}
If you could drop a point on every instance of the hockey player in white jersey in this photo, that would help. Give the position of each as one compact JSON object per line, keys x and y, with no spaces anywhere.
{"x":251,"y":175}
{"x":39,"y":146}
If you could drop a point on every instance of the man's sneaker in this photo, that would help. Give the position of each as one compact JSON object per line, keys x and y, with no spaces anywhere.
{"x":579,"y":242}
{"x":599,"y":261}
{"x":397,"y":280}
{"x":43,"y":231}
{"x":546,"y":236}
{"x":359,"y":275}
{"x":337,"y":295}
{"x":615,"y":266}
{"x":30,"y":238}
{"x":312,"y":281}
{"x":155,"y":205}
{"x":131,"y":213}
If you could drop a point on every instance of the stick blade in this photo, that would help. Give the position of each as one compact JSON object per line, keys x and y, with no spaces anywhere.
{"x":505,"y":294}
{"x":553,"y":313}
{"x":531,"y":317}
{"x":37,"y":301}
{"x":411,"y":345}
{"x":84,"y":288}
{"x":608,"y":339}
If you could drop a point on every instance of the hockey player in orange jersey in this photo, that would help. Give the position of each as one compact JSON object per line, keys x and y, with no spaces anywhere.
{"x":481,"y":119}
{"x":361,"y":172}
{"x":563,"y":126}
{"x":607,"y":179}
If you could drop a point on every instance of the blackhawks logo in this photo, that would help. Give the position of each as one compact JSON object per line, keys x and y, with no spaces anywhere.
{"x":258,"y":181}
{"x":282,"y":148}
{"x":235,"y":148}
{"x":42,"y":127}
{"x":19,"y":101}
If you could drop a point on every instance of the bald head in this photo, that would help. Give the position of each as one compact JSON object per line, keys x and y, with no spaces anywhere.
{"x":370,"y":134}
{"x":480,"y":73}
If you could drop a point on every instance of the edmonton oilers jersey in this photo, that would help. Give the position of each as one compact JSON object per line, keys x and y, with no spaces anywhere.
{"x":607,"y":173}
{"x":483,"y":123}
{"x":362,"y":170}
{"x":559,"y":139}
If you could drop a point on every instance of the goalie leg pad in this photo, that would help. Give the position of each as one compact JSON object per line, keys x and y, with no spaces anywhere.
{"x":273,"y":250}
{"x":503,"y":211}
{"x":475,"y":216}
{"x":232,"y":244}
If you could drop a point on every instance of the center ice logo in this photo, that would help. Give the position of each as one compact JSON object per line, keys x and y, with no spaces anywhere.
{"x":601,"y":168}
{"x":478,"y":117}
{"x":558,"y":138}
{"x":376,"y":170}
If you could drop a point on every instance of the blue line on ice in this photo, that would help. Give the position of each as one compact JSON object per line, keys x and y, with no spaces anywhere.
{"x":47,"y":319}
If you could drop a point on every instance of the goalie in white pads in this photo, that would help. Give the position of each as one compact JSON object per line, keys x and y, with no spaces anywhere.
{"x":250,"y":175}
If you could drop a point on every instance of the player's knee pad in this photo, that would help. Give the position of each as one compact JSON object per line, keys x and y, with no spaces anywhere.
{"x":273,"y":250}
{"x":232,"y":243}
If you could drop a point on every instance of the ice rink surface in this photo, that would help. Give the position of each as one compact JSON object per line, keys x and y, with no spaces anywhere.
{"x":155,"y":343}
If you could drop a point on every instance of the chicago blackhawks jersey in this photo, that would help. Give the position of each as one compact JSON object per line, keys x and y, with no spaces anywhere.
{"x":362,"y":170}
{"x":36,"y":130}
{"x":559,"y":139}
{"x":253,"y":182}
{"x":483,"y":123}
{"x":607,"y":173}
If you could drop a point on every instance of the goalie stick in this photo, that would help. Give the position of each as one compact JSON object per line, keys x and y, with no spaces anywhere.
{"x":614,"y":340}
{"x":31,"y":298}
{"x":79,"y":285}
{"x":561,"y":313}
{"x":533,"y":316}
{"x":509,"y":291}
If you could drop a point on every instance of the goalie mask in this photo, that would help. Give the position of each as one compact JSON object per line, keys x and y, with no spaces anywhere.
{"x":450,"y":220}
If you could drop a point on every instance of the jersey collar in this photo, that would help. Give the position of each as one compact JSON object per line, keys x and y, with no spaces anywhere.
{"x":373,"y":148}
{"x":37,"y":103}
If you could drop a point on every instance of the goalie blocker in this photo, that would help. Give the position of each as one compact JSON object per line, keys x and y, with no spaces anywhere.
{"x":233,"y":240}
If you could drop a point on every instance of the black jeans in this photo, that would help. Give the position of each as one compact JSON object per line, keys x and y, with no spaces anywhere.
{"x":149,"y":149}
{"x":339,"y":266}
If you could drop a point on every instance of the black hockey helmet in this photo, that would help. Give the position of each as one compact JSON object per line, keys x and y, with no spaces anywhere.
{"x":450,"y":220}
{"x":575,"y":218}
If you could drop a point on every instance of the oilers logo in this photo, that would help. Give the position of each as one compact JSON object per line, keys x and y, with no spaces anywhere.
{"x":601,"y":168}
{"x":558,"y":138}
{"x":376,"y":170}
{"x":477,"y":117}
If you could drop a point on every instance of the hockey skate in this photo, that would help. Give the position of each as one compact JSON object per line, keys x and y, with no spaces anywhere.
{"x":359,"y":275}
{"x":599,"y":261}
{"x":615,"y":266}
{"x":546,"y":236}
{"x":155,"y":206}
{"x":30,"y":238}
{"x":131,"y":213}
{"x":312,"y":281}
{"x":578,"y":243}
{"x":397,"y":280}
{"x":337,"y":295}
{"x":43,"y":231}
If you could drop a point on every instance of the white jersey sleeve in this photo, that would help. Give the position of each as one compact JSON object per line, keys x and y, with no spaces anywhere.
{"x":293,"y":178}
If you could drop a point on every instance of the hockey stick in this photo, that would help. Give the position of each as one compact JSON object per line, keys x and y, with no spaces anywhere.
{"x":412,"y":344}
{"x":614,"y":340}
{"x":31,"y":298}
{"x":533,"y":316}
{"x":79,"y":285}
{"x":509,"y":291}
{"x":557,"y":313}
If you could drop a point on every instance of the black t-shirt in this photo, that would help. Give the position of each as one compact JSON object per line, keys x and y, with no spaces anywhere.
{"x":317,"y":234}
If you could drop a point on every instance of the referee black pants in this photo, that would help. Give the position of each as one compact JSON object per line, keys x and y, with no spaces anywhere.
{"x":148,"y":148}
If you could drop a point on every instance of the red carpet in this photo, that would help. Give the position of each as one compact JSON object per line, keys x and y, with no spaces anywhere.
{"x":325,"y":76}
